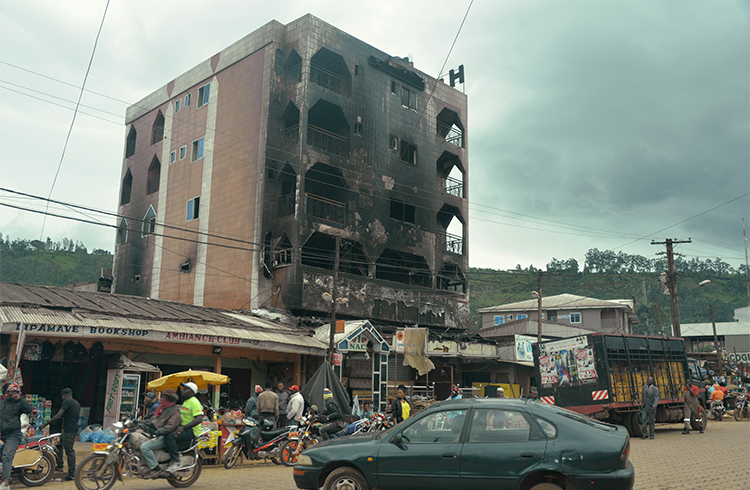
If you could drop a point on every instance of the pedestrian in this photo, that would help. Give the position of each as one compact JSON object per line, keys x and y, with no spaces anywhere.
{"x":251,"y":408}
{"x":455,"y":393}
{"x":11,"y":409}
{"x":331,"y":415}
{"x":692,"y":408}
{"x":296,"y":405}
{"x":69,"y":412}
{"x":191,"y":416}
{"x":268,"y":406}
{"x":400,"y":408}
{"x":166,"y":419}
{"x":649,"y":401}
{"x":500,"y":393}
{"x":283,"y":403}
{"x":150,"y":404}
{"x":367,"y":412}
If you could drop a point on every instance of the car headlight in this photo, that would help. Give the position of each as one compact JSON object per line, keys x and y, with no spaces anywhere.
{"x":304,"y":460}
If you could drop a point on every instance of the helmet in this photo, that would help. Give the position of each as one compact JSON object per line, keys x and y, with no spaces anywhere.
{"x":455,"y":392}
{"x":267,"y":424}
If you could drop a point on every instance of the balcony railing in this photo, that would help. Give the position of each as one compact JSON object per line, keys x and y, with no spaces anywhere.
{"x":328,"y":79}
{"x":326,"y":140}
{"x":153,"y":185}
{"x":454,"y":187}
{"x":451,"y":134}
{"x":290,"y":135}
{"x":453,"y":243}
{"x":293,"y":75}
{"x":326,"y":209}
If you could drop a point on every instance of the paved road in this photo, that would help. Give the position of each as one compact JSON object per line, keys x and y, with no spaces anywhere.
{"x":717,"y":459}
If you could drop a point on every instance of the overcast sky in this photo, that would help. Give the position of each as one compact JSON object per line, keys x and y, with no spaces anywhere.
{"x":592,"y":124}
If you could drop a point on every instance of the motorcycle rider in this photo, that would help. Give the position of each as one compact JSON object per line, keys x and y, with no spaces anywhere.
{"x":11,"y":409}
{"x":150,"y":404}
{"x":692,"y":407}
{"x":296,"y":405}
{"x":268,"y":406}
{"x":332,"y":414}
{"x":166,"y":419}
{"x":717,"y":396}
{"x":191,"y":413}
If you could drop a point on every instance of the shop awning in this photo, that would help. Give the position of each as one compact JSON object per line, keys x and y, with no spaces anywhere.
{"x":42,"y":322}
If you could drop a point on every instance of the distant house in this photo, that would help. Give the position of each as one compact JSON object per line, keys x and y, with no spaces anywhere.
{"x":585,"y":314}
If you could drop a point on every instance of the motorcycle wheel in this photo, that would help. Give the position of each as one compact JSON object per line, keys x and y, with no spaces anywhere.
{"x":189,"y":479}
{"x":738,"y":413}
{"x":42,"y":474}
{"x":232,"y":456}
{"x":287,"y":453}
{"x":86,"y":473}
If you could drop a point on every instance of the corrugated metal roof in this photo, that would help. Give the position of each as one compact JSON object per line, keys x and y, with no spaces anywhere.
{"x":44,"y":305}
{"x":560,"y":301}
{"x":707,"y":329}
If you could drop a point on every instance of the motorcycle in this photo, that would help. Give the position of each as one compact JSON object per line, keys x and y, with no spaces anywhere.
{"x":300,"y":439}
{"x":268,"y":447}
{"x":35,"y":460}
{"x":717,"y":411}
{"x":101,"y":469}
{"x":741,"y":407}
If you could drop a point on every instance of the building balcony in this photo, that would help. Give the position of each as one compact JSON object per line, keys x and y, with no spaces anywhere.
{"x":325,"y":209}
{"x":327,"y":141}
{"x":451,"y":134}
{"x":452,"y":243}
{"x":454,"y":187}
{"x":290,"y":136}
{"x":329,"y":80}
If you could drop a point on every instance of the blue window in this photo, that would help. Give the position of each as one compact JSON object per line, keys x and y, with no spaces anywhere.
{"x":522,"y":316}
{"x":203,"y":95}
{"x":197,"y":150}
{"x":499,"y":320}
{"x":575,"y":318}
{"x":193,"y":208}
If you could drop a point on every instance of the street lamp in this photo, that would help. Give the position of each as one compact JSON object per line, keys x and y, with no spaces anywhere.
{"x":675,"y":326}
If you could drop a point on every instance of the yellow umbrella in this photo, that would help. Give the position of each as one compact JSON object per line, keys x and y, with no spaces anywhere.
{"x":201,"y":378}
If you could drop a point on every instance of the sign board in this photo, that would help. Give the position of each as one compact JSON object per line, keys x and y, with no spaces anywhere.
{"x":739,"y":357}
{"x":337,"y":358}
{"x":523,"y":348}
{"x":567,"y":362}
{"x":340,"y":326}
{"x":398,"y":341}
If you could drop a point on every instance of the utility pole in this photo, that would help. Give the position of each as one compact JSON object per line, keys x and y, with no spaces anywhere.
{"x":716,"y":342}
{"x":539,"y":306}
{"x":747,"y":268}
{"x":674,"y":302}
{"x":334,"y":295}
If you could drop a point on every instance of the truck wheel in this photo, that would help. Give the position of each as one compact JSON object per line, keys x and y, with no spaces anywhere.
{"x":702,"y":423}
{"x":634,"y":426}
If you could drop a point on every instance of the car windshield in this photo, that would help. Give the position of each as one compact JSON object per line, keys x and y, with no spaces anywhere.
{"x":575,"y":416}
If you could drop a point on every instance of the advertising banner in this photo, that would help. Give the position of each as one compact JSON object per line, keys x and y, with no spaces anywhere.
{"x":568,"y":362}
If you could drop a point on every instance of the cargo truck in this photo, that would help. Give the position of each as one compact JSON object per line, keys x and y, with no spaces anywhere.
{"x":602,"y":375}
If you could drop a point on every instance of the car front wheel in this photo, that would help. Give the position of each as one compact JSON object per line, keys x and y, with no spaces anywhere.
{"x":546,"y":486}
{"x":345,"y":479}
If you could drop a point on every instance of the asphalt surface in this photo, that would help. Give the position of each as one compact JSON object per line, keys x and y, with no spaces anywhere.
{"x":717,"y":459}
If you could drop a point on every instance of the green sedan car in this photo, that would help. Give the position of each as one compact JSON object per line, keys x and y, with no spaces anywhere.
{"x":476,"y":444}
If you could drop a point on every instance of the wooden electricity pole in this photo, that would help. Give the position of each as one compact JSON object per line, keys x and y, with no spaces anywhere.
{"x":539,"y":307}
{"x":334,"y":295}
{"x":674,"y":302}
{"x":716,"y":342}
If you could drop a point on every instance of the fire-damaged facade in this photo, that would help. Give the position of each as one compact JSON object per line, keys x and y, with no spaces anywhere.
{"x":297,"y":152}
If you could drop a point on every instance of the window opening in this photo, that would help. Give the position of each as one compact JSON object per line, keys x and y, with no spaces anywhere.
{"x":154,"y":173}
{"x":193,"y":208}
{"x":394,"y":87}
{"x":197,"y":153}
{"x":401,"y":211}
{"x":158,"y":129}
{"x":320,"y":250}
{"x":393,"y":143}
{"x":203,"y":95}
{"x":173,"y":156}
{"x":498,"y":426}
{"x":290,"y":124}
{"x":499,"y":320}
{"x":130,"y":146}
{"x":185,"y":267}
{"x":403,"y":267}
{"x":327,"y":128}
{"x":288,"y":178}
{"x":188,"y":98}
{"x":408,"y":152}
{"x":449,"y":127}
{"x":293,"y":69}
{"x":329,"y":70}
{"x":522,"y":316}
{"x":358,"y":129}
{"x":326,"y":193}
{"x":575,"y":318}
{"x":127,"y":188}
{"x":450,"y":229}
{"x":177,"y":105}
{"x":122,"y":231}
{"x":408,"y":98}
{"x":183,"y":152}
{"x":279,"y":64}
{"x":282,"y":254}
{"x":149,"y":222}
{"x":450,"y":278}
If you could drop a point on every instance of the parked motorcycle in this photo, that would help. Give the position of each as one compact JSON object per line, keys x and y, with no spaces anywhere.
{"x":101,"y":469}
{"x":717,"y":411}
{"x":300,"y":439}
{"x":268,"y":447}
{"x":741,"y":407}
{"x":35,"y":460}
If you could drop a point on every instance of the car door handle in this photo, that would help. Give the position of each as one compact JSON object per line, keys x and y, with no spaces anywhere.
{"x":449,"y":456}
{"x":528,"y":455}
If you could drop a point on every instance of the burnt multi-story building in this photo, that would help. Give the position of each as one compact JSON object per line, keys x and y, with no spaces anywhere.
{"x":242,"y":178}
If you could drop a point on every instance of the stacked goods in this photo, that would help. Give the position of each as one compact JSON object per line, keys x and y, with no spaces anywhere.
{"x":212,"y":442}
{"x":43,"y":414}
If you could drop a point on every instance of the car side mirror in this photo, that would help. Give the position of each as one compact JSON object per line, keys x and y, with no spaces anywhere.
{"x":396,"y":439}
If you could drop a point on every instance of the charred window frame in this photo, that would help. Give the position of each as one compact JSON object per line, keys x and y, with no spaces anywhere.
{"x":122,"y":231}
{"x":393,"y":143}
{"x":408,"y":98}
{"x":407,"y":152}
{"x":279,"y":62}
{"x":403,"y":212}
{"x":357,"y":129}
{"x":127,"y":188}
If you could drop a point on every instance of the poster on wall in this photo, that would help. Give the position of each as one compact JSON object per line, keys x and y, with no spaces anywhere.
{"x":568,"y":362}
